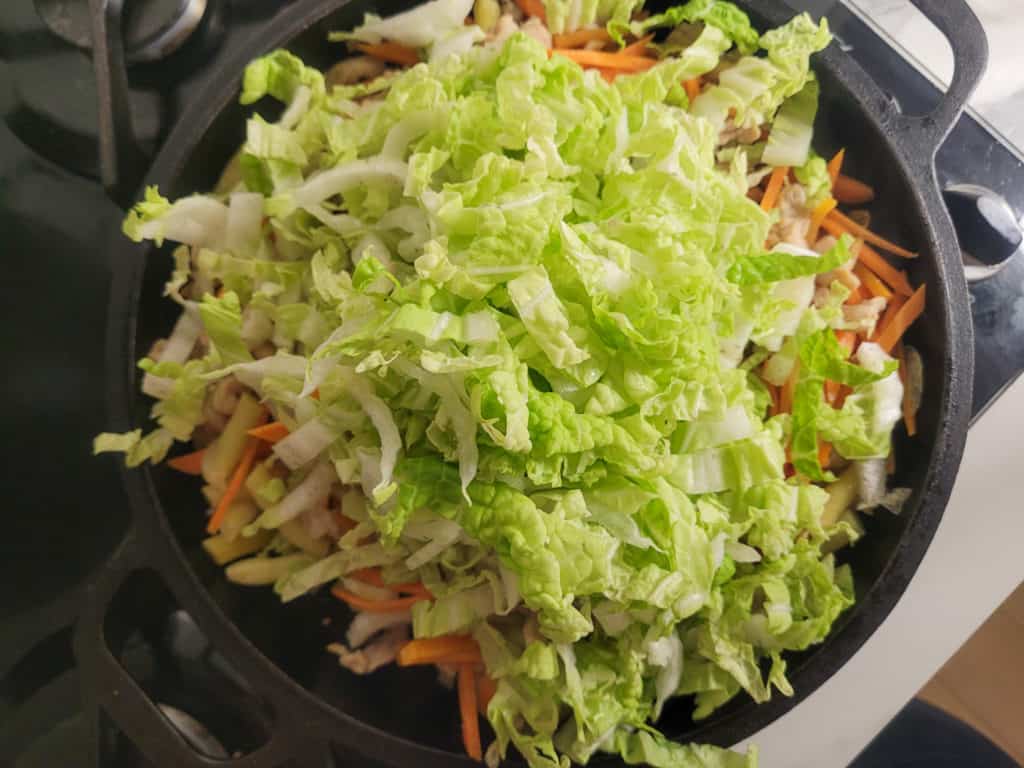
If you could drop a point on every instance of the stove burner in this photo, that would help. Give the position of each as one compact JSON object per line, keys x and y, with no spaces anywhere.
{"x":987,"y":227}
{"x":153,"y":29}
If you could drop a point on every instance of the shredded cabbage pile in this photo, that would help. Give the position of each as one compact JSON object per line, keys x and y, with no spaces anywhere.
{"x":528,"y":303}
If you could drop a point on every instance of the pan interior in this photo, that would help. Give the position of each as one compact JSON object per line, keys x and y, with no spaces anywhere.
{"x":409,"y":703}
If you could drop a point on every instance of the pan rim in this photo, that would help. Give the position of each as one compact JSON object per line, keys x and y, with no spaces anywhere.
{"x":151,"y":524}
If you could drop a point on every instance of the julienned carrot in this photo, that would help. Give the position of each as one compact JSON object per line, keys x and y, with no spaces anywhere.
{"x":836,"y":164}
{"x":901,"y":320}
{"x":373,"y":576}
{"x":850,"y":191}
{"x":692,"y":87}
{"x":451,"y":649}
{"x":234,"y":485}
{"x":609,"y":75}
{"x":821,"y":210}
{"x":844,"y":392}
{"x":638,"y":48}
{"x":774,"y":188}
{"x":773,"y":395}
{"x":894,"y":278}
{"x":859,"y":294}
{"x":273,"y":432}
{"x":580,"y":37}
{"x":868,"y":236}
{"x":468,"y":713}
{"x":602,"y":59}
{"x":485,"y":690}
{"x":396,"y":53}
{"x":832,"y":391}
{"x":848,"y":341}
{"x":871,"y":281}
{"x":890,"y":311}
{"x":189,"y":463}
{"x":909,"y":414}
{"x":824,"y":452}
{"x":346,"y":524}
{"x":789,"y":389}
{"x":376,"y":606}
{"x":532,"y":8}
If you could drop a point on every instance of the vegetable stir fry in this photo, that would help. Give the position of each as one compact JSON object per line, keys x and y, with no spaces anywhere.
{"x":536,"y":333}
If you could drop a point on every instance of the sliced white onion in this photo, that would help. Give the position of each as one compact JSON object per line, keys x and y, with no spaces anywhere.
{"x":443,"y":538}
{"x":244,"y":222}
{"x":297,"y":108}
{"x":304,"y":444}
{"x":182,"y":340}
{"x":742,"y":553}
{"x":326,"y":184}
{"x":311,"y":492}
{"x":365,"y":625}
{"x":369,"y":591}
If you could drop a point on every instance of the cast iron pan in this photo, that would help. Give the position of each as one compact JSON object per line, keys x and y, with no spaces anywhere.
{"x":401,"y":717}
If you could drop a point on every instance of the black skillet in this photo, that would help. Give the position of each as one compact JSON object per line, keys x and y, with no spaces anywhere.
{"x":302,"y":706}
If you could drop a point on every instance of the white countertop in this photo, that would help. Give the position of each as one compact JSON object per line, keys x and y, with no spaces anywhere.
{"x":999,"y":100}
{"x":974,"y":562}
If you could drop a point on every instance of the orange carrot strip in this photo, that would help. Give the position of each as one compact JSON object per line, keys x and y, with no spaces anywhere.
{"x":637,"y":48}
{"x":773,"y":394}
{"x":821,"y":210}
{"x":189,"y":463}
{"x":467,"y":710}
{"x":454,"y":649}
{"x":847,"y":340}
{"x":850,"y":191}
{"x":604,"y":60}
{"x":901,"y":320}
{"x":346,"y":524}
{"x":789,"y":389}
{"x":692,"y":87}
{"x":824,"y":452}
{"x":396,"y":53}
{"x":844,"y":392}
{"x":774,"y":188}
{"x":870,"y":280}
{"x":376,"y":606}
{"x":859,"y":294}
{"x":533,"y":8}
{"x":609,"y":75}
{"x":234,"y":485}
{"x":890,"y":310}
{"x":580,"y":37}
{"x":909,"y":415}
{"x":872,"y":259}
{"x":868,"y":236}
{"x":832,"y":389}
{"x":273,"y":432}
{"x":835,"y":164}
{"x":373,"y":577}
{"x":485,"y":690}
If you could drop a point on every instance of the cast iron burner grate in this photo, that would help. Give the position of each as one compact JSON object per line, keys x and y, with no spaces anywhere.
{"x":82,"y":674}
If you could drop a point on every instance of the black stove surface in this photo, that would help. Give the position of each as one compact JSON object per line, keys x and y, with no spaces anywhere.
{"x":66,"y":512}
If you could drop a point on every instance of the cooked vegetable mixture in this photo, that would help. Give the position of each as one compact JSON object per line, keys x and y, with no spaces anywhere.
{"x":536,"y":334}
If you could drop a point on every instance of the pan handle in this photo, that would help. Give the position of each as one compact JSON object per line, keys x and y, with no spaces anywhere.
{"x":122,"y":162}
{"x":967,"y":39}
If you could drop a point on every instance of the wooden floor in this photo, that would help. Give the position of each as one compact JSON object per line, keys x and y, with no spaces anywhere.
{"x":983,"y":684}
